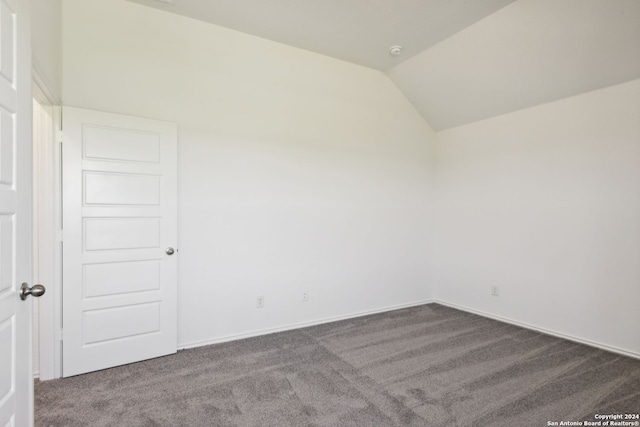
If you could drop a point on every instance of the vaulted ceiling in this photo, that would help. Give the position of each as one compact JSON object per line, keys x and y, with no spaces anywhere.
{"x":360,"y":31}
{"x":462,"y":60}
{"x":529,"y":53}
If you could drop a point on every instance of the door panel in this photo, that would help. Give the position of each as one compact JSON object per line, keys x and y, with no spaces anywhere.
{"x":113,"y":278}
{"x":103,"y":234}
{"x":121,"y":322}
{"x":101,"y":188}
{"x":119,"y":210}
{"x":121,"y":145}
{"x":16,"y":380}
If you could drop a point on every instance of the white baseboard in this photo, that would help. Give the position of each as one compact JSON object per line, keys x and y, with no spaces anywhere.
{"x":292,"y":326}
{"x":543,"y":330}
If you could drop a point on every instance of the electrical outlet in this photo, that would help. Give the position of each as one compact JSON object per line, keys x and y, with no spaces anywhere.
{"x":495,"y":291}
{"x":305,"y":296}
{"x":260,"y":302}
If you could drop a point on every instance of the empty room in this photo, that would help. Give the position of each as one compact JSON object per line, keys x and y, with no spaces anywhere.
{"x":319,"y":213}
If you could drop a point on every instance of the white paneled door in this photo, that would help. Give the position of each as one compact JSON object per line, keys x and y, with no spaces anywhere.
{"x":119,"y":239}
{"x":16,"y":380}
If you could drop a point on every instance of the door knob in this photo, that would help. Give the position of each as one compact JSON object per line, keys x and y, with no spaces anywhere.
{"x":35,"y":290}
{"x":169,"y":251}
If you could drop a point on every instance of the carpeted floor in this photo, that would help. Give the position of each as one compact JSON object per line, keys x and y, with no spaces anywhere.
{"x":423,"y":366}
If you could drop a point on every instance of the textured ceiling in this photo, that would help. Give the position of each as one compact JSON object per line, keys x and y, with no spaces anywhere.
{"x":360,"y":31}
{"x":463,"y":60}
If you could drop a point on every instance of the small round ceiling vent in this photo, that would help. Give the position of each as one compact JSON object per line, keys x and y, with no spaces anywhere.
{"x":395,"y":50}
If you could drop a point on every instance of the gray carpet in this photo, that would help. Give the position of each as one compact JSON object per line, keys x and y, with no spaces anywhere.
{"x":423,"y":366}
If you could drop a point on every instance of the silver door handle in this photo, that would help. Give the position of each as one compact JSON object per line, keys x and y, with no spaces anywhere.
{"x":169,"y":251}
{"x":35,"y":290}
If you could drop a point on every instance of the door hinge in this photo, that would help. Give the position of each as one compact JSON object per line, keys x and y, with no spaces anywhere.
{"x":59,"y":137}
{"x":61,"y":236}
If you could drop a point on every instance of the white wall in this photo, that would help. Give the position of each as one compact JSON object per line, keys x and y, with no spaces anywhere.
{"x":46,"y":43}
{"x":296,"y":171}
{"x":544,"y":203}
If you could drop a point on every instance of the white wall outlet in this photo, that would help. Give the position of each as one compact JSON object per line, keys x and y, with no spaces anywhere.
{"x":260,"y":302}
{"x":495,"y":291}
{"x":305,"y":296}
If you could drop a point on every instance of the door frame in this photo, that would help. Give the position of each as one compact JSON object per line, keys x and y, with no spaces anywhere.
{"x":47,"y":233}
